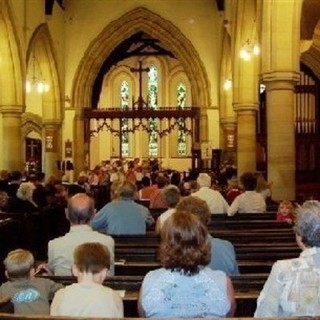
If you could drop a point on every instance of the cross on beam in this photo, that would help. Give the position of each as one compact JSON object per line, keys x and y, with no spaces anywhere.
{"x":140,"y":102}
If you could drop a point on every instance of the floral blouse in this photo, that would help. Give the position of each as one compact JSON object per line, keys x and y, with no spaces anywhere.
{"x":292,"y":288}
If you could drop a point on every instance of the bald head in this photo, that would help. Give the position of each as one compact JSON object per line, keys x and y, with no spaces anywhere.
{"x":80,"y":209}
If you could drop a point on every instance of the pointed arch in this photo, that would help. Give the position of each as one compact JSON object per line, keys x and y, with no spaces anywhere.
{"x":140,"y":19}
{"x":41,"y":45}
{"x":311,"y":57}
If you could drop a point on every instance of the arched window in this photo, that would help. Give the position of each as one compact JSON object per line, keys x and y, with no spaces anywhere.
{"x":124,"y":93}
{"x":153,"y":104}
{"x":182,"y":137}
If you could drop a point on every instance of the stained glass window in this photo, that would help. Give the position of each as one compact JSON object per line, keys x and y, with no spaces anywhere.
{"x":153,"y":104}
{"x":182,"y":137}
{"x":124,"y":93}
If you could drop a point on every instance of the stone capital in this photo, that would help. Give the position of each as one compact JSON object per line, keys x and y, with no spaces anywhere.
{"x":247,"y":108}
{"x":280,"y":80}
{"x":228,"y":121}
{"x":11,"y":110}
{"x":51,"y":124}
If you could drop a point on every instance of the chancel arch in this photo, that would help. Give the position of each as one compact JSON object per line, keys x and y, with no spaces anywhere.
{"x":139,"y":19}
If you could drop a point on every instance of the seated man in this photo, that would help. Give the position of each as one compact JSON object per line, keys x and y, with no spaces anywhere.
{"x":172,"y":197}
{"x":223,"y":255}
{"x":123,"y":216}
{"x":250,"y":201}
{"x":214,"y":199}
{"x":60,"y":250}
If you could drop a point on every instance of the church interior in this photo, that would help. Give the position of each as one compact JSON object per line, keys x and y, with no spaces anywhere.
{"x":189,"y":82}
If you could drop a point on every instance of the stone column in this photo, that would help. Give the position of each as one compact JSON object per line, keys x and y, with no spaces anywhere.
{"x":246,"y":137}
{"x":52,"y":147}
{"x":12,"y":144}
{"x":280,"y":132}
{"x":280,"y":43}
{"x":81,"y":145}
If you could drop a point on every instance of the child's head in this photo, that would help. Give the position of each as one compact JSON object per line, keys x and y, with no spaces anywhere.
{"x":286,"y":207}
{"x":19,"y":264}
{"x":91,"y":258}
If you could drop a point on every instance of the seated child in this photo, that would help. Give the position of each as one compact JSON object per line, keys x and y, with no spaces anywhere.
{"x":286,"y":212}
{"x":88,"y":297}
{"x":29,"y":295}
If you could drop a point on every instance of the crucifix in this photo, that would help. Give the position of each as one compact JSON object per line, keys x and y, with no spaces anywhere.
{"x":140,"y":102}
{"x":32,"y":146}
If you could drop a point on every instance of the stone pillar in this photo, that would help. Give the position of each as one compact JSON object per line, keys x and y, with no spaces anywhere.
{"x":280,"y":132}
{"x":52,"y":147}
{"x":81,"y":145}
{"x":280,"y":43}
{"x":12,"y":144}
{"x":246,"y":137}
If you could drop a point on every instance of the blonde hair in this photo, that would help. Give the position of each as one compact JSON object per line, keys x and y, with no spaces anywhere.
{"x":288,"y":204}
{"x":262,"y":183}
{"x":18,"y":263}
{"x":25,"y":191}
{"x":115,"y":190}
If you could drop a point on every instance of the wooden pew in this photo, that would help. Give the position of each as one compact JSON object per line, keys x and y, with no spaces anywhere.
{"x":28,"y":230}
{"x":6,"y":306}
{"x":282,"y":235}
{"x":247,"y":288}
{"x":243,"y":253}
{"x":137,"y":268}
{"x":11,"y":237}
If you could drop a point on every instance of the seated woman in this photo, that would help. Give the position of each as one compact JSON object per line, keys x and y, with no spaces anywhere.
{"x":293,"y":286}
{"x":185,"y":287}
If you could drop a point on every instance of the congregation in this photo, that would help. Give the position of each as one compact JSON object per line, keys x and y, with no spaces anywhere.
{"x":196,"y":267}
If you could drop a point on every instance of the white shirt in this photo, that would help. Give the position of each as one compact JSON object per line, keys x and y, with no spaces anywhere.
{"x":248,"y":202}
{"x":60,"y":250}
{"x":214,"y":199}
{"x":87,"y":300}
{"x":164,"y":216}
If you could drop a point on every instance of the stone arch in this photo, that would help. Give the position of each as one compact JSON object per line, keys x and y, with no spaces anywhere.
{"x":31,"y":122}
{"x":12,"y":68}
{"x":12,"y":76}
{"x":42,"y":46}
{"x":311,"y":57}
{"x":140,"y":19}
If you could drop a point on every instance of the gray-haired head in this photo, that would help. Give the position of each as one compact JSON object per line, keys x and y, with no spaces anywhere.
{"x":172,"y":195}
{"x":308,"y":223}
{"x":204,"y":180}
{"x":127,"y":190}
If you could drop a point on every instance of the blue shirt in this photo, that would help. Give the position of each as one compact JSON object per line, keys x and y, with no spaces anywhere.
{"x":166,"y":293}
{"x":122,"y":216}
{"x":223,"y":256}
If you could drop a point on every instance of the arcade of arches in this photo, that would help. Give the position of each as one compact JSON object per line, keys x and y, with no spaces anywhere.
{"x":259,"y":109}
